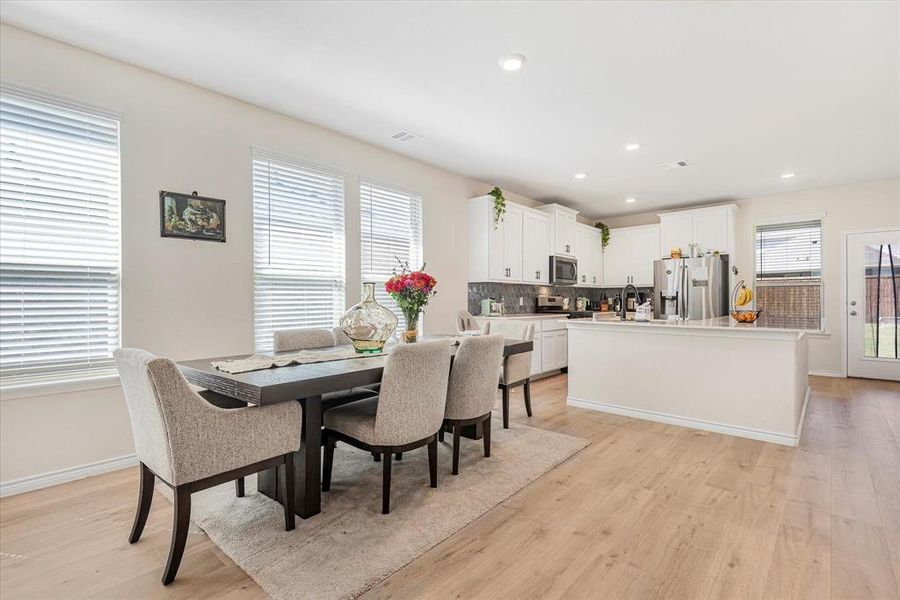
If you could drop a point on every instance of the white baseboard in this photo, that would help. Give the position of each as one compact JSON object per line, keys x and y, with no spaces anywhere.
{"x":827,"y":373}
{"x":36,"y":482}
{"x":648,"y":415}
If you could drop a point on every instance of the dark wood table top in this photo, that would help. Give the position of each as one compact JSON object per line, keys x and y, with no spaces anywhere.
{"x":281,"y":384}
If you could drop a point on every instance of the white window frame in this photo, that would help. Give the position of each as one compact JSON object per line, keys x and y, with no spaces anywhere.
{"x":89,"y":378}
{"x":259,"y":154}
{"x":795,"y":218}
{"x":415,"y":195}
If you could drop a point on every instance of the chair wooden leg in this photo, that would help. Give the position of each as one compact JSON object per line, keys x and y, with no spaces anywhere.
{"x":456,"y":431}
{"x":376,"y":457}
{"x":148,"y":479}
{"x":180,"y":524}
{"x":386,"y":485}
{"x":528,"y":396}
{"x":441,"y":434}
{"x":399,"y":456}
{"x":505,"y":407}
{"x":328,"y":463}
{"x":239,"y":487}
{"x":486,"y":435}
{"x":288,"y":491}
{"x":432,"y":462}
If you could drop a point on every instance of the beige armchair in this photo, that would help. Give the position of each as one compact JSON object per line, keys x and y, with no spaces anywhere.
{"x":473,"y":389}
{"x":406,"y":415}
{"x":192,"y":445}
{"x":516,"y":368}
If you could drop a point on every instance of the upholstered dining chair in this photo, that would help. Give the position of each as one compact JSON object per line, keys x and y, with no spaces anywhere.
{"x":516,"y":369}
{"x":465,"y":322}
{"x":407,"y":414}
{"x":191,"y":445}
{"x":473,"y":388}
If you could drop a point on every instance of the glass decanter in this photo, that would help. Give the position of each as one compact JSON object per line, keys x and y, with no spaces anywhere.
{"x":368,"y":324}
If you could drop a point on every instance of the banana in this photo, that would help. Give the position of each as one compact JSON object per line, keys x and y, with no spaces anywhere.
{"x":745,"y":295}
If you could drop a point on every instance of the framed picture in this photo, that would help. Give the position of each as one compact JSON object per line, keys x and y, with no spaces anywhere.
{"x":191,"y":217}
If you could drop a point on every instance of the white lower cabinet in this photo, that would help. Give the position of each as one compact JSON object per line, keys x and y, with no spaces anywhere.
{"x":554,"y":350}
{"x":551,"y":345}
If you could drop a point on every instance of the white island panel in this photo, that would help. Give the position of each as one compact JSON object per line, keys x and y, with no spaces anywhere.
{"x":749,"y":382}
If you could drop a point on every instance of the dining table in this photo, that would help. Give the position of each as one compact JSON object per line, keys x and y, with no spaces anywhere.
{"x":306,"y":384}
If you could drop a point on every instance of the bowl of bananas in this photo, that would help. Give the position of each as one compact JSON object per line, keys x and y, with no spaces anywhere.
{"x":741,"y":299}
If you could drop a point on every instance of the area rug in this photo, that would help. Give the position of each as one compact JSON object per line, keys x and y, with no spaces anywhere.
{"x":351,"y":546}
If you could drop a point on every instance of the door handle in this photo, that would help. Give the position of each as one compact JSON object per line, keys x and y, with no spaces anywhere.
{"x":852,"y":313}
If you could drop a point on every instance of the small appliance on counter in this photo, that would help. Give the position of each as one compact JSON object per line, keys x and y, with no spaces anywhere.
{"x":492,"y":308}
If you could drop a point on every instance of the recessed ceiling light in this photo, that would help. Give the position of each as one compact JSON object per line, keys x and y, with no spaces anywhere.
{"x":632,"y":146}
{"x":630,"y":200}
{"x":580,"y":175}
{"x":787,"y":175}
{"x":512,"y":61}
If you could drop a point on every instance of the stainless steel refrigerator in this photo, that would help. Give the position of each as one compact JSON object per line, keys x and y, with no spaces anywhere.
{"x":691,"y":288}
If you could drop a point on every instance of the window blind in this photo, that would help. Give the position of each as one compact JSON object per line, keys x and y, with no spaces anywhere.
{"x":59,"y":239}
{"x":789,"y":269}
{"x":298,"y":246}
{"x":391,"y":229}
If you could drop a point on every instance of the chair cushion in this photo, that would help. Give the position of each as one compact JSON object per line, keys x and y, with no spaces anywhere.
{"x":356,"y":419}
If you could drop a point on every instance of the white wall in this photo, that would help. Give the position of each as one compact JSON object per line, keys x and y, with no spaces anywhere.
{"x":188,"y":299}
{"x":848,"y":208}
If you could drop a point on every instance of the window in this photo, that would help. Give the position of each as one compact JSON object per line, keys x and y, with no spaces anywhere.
{"x":789,"y":271}
{"x":391,"y":229}
{"x":298,"y":246}
{"x":59,"y":240}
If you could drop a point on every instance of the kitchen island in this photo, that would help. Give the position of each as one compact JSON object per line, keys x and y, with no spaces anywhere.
{"x":714,"y":374}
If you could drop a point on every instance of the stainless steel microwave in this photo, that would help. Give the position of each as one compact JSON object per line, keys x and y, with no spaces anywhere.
{"x":563,"y":270}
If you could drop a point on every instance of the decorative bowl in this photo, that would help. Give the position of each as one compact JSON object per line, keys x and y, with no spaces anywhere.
{"x":745,"y":316}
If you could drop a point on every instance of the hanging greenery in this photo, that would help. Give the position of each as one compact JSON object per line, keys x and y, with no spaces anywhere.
{"x":499,"y":205}
{"x":604,"y":233}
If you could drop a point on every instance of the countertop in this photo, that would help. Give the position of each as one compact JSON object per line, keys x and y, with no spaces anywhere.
{"x":561,"y":316}
{"x":770,"y":324}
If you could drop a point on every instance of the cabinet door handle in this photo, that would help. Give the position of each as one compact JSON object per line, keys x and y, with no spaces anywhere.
{"x":537,"y":274}
{"x":567,"y":247}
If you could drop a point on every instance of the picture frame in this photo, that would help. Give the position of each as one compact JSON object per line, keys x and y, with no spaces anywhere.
{"x":191,"y":217}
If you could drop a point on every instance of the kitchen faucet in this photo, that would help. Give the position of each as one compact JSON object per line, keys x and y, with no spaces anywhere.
{"x":637,"y":298}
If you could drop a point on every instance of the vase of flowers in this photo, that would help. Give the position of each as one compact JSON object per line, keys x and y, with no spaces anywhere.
{"x":411,"y":290}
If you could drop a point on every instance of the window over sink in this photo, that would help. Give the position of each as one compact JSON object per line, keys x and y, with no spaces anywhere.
{"x":788,"y":277}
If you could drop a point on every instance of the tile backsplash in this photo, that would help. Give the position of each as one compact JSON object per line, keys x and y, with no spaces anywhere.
{"x":510,"y":293}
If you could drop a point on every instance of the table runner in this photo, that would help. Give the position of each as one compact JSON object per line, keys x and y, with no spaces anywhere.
{"x":258,"y":362}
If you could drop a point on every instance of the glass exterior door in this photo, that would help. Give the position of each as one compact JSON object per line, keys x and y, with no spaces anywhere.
{"x":873,"y":285}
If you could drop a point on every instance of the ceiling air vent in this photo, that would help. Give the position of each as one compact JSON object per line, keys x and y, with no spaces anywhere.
{"x":404,"y":136}
{"x":678,"y":164}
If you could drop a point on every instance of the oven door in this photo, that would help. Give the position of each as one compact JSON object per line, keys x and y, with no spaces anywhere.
{"x":563,"y":270}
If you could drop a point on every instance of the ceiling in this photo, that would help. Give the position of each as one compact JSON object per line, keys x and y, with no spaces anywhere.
{"x":741,"y":91}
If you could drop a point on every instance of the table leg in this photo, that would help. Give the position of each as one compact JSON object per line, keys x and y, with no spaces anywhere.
{"x":307,"y":464}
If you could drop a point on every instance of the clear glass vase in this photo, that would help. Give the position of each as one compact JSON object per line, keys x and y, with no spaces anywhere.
{"x":411,"y":335}
{"x":368,"y":324}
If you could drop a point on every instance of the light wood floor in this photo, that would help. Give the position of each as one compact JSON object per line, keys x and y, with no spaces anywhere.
{"x":647,"y":510}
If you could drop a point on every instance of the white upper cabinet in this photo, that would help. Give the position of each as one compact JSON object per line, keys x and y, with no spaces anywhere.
{"x":583,"y":254}
{"x":535,"y":247}
{"x":709,"y":228}
{"x":515,"y":250}
{"x":562,"y":227}
{"x":630,"y":255}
